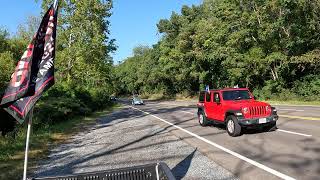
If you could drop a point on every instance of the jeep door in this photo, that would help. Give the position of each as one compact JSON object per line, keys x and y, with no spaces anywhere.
{"x":208,"y":105}
{"x":217,"y":108}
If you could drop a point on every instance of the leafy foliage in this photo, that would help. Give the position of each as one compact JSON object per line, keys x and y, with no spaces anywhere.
{"x":83,"y":63}
{"x":271,"y":47}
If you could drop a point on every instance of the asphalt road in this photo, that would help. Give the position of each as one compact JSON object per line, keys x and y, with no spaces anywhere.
{"x":126,"y":138}
{"x":291,"y":152}
{"x":168,"y":131}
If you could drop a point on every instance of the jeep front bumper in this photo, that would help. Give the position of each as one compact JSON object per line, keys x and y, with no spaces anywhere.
{"x":258,"y":121}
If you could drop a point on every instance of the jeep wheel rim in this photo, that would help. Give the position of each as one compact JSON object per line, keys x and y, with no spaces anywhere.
{"x":201,"y":119}
{"x":230,"y":126}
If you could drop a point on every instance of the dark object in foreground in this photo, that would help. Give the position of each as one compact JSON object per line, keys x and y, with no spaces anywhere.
{"x":7,"y":123}
{"x":145,"y":172}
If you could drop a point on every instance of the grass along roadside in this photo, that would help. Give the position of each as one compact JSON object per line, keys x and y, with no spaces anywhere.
{"x":12,"y":150}
{"x":294,"y":103}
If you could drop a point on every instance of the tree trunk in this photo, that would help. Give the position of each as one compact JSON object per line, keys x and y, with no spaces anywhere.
{"x":69,"y":71}
{"x":275,"y":71}
{"x":273,"y":74}
{"x":255,"y":9}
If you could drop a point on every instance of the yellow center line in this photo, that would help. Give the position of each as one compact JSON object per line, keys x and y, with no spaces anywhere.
{"x":301,"y":117}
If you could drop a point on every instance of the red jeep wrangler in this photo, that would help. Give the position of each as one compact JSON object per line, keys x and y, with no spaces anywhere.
{"x":236,"y":108}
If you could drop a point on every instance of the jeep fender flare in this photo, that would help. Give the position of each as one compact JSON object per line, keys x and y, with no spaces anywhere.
{"x":201,"y":109}
{"x":231,"y":112}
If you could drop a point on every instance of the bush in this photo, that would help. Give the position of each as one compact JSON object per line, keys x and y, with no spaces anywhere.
{"x":100,"y":98}
{"x":305,"y":89}
{"x":308,"y":88}
{"x":63,"y":102}
{"x":285,"y":95}
{"x":269,"y":91}
{"x":57,"y":109}
{"x":275,"y":90}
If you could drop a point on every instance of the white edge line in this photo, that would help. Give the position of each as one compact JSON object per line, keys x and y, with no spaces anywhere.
{"x":250,"y":161}
{"x":298,"y":110}
{"x":291,"y":132}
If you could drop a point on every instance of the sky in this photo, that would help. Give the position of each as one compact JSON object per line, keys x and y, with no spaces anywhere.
{"x":15,"y":12}
{"x":133,"y":23}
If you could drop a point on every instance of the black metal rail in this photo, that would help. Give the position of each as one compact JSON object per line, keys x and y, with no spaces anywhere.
{"x":157,"y":171}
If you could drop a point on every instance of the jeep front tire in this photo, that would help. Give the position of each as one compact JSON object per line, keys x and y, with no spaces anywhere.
{"x":232,"y":126}
{"x":202,"y":118}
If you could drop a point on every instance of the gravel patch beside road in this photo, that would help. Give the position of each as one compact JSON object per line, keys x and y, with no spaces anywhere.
{"x":127,"y":138}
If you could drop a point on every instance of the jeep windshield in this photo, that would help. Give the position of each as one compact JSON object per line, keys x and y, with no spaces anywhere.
{"x":236,"y":95}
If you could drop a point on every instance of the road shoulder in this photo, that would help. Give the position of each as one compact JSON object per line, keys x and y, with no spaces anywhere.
{"x":126,"y":138}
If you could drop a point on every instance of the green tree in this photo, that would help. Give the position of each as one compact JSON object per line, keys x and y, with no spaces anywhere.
{"x":270,"y":45}
{"x":84,"y":47}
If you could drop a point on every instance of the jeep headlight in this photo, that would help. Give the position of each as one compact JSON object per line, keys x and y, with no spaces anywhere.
{"x":245,"y":110}
{"x":267,"y":108}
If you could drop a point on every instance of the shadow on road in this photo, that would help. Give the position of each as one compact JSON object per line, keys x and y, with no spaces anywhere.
{"x":181,"y":169}
{"x":254,"y":142}
{"x":125,"y":114}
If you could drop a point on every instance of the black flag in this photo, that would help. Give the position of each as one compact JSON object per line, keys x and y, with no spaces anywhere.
{"x":34,"y":72}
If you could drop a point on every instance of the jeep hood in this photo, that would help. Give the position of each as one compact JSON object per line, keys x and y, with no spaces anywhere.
{"x":245,"y":103}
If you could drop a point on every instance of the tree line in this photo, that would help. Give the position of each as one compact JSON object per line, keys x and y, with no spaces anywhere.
{"x":269,"y":46}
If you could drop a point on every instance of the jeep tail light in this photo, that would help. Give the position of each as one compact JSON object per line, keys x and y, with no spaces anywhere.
{"x":245,"y":110}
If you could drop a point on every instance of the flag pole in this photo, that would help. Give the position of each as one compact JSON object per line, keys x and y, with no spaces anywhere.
{"x":55,"y":5}
{"x":27,"y":145}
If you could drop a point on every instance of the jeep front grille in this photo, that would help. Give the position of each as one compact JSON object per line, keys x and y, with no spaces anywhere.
{"x":257,"y":111}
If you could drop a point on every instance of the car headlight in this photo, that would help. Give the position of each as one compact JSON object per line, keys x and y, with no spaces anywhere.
{"x":245,"y":110}
{"x":268,"y":108}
